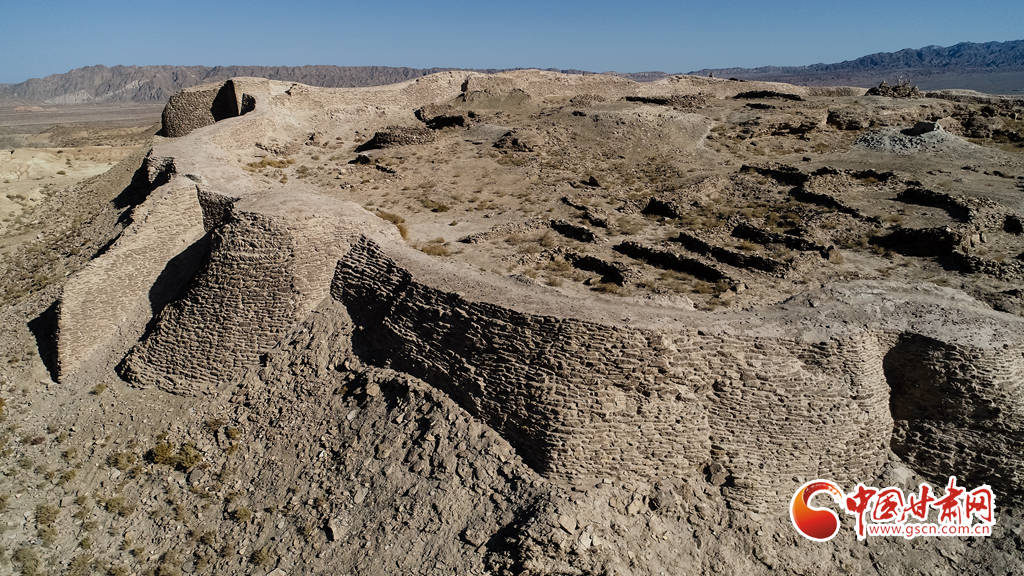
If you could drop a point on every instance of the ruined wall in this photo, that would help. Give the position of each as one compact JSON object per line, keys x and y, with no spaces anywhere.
{"x":582,"y":400}
{"x":105,"y":306}
{"x":239,"y":304}
{"x":265,"y":273}
{"x":958,"y":409}
{"x":780,"y":408}
{"x":577,"y":399}
{"x":200,"y":106}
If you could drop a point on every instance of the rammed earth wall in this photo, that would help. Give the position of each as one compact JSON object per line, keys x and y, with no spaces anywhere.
{"x":582,"y":400}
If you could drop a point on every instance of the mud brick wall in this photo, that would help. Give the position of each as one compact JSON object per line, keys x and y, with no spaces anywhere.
{"x":577,"y":399}
{"x":240,"y":303}
{"x":581,"y":400}
{"x":200,"y":106}
{"x":958,"y":410}
{"x":781,"y":409}
{"x":265,"y":273}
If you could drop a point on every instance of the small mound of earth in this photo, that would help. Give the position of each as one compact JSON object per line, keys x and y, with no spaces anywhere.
{"x":398,"y":136}
{"x":923,"y":136}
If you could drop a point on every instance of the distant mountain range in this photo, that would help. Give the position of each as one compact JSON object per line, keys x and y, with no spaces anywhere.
{"x":996,"y":67}
{"x":157,"y":83}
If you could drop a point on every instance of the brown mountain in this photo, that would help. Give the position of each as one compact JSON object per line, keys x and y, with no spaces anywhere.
{"x":996,"y":67}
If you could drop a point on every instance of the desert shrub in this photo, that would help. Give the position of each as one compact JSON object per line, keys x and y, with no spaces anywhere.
{"x":834,"y":91}
{"x":397,"y":220}
{"x":46,"y":514}
{"x":436,"y":247}
{"x":241,"y":515}
{"x":184,"y":457}
{"x":433,"y":205}
{"x":123,"y":461}
{"x":267,"y":162}
{"x":261,"y":556}
{"x":118,"y":505}
{"x":28,"y":560}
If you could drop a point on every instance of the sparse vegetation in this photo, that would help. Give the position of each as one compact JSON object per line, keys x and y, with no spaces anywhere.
{"x":435,"y":247}
{"x":27,"y":560}
{"x":261,"y":556}
{"x":241,"y":514}
{"x":397,"y":220}
{"x":184,"y":457}
{"x":123,"y":461}
{"x":268,"y":162}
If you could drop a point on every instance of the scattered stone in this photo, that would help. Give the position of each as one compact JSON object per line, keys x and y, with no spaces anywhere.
{"x":335,"y":529}
{"x":568,"y":523}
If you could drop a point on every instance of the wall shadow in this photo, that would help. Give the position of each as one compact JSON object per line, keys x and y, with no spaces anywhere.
{"x":44,"y":330}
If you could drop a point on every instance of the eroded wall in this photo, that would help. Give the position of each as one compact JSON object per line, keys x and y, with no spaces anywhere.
{"x":583,"y":400}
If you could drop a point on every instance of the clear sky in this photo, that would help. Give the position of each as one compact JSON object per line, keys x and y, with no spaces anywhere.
{"x":39,"y":37}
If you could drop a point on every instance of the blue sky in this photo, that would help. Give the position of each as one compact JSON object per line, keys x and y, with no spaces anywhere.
{"x":40,"y":38}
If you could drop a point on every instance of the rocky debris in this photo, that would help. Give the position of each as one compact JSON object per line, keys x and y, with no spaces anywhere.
{"x":750,"y":232}
{"x":587,"y":100}
{"x":781,"y":173}
{"x":611,"y":272}
{"x":799,"y":128}
{"x":1010,"y":270}
{"x":957,"y":208}
{"x":504,"y":230}
{"x":902,"y":89}
{"x":398,"y":136}
{"x":513,"y":141}
{"x":438,"y":117}
{"x":975,"y":125}
{"x":678,"y":101}
{"x":762,"y":94}
{"x":731,"y":257}
{"x":1010,"y":301}
{"x":574,"y":231}
{"x":670,"y":260}
{"x":935,"y":242}
{"x":662,"y":207}
{"x":847,"y":119}
{"x":931,"y":138}
{"x":278,"y":148}
{"x":870,"y":175}
{"x":595,"y":216}
{"x":807,"y":194}
{"x":922,"y":128}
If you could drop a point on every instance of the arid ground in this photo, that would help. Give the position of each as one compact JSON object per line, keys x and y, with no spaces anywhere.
{"x":520,"y":323}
